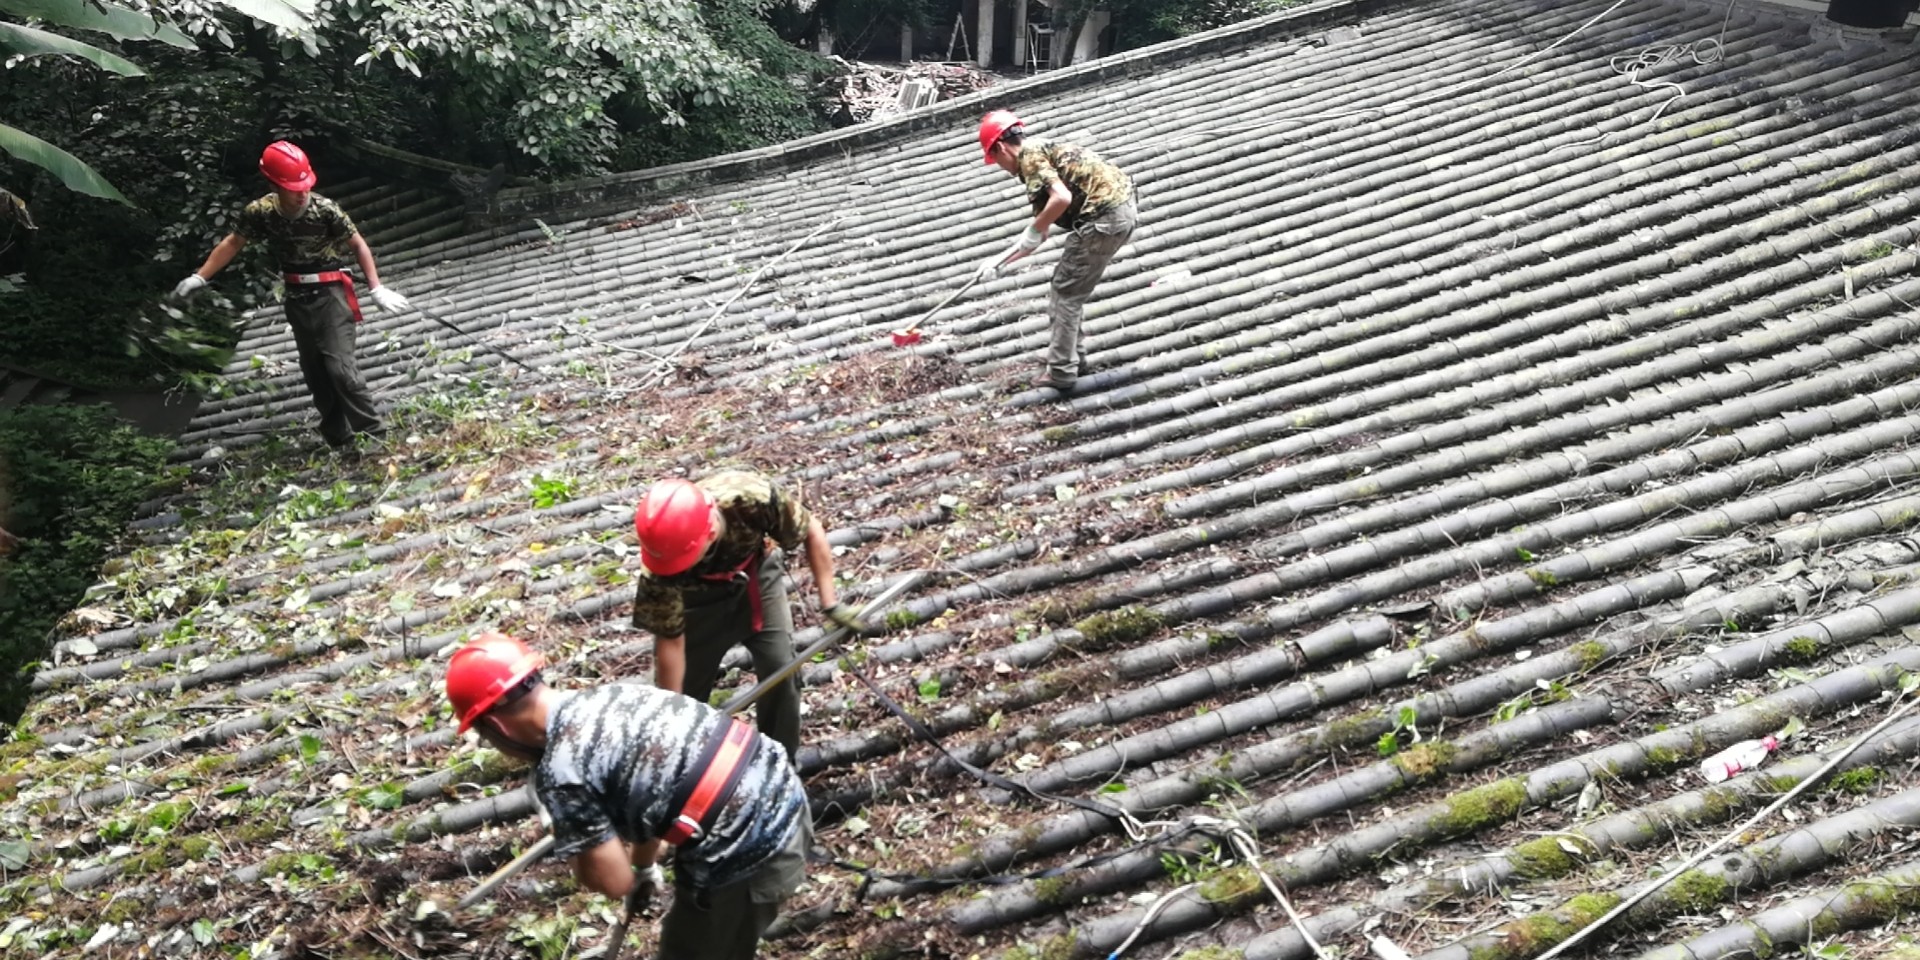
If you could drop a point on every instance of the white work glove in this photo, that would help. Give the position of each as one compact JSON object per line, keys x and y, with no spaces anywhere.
{"x":990,"y":267}
{"x":389,"y":300}
{"x":647,"y":882}
{"x":1030,"y":240}
{"x":185,"y":288}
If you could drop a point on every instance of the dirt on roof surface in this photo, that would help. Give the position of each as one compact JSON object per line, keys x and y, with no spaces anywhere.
{"x":1480,"y":440}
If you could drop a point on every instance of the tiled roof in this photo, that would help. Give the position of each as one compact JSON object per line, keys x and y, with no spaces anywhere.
{"x":1448,"y":408}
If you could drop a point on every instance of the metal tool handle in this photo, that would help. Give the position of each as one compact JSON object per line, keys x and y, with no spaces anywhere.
{"x":505,"y":873}
{"x":942,"y":305}
{"x":776,"y":678}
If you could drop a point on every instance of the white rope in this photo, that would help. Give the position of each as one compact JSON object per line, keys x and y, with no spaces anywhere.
{"x":664,"y":368}
{"x":1152,"y":912}
{"x":1704,"y":51}
{"x":1245,"y":852}
{"x":1713,"y":848}
{"x":1244,"y":843}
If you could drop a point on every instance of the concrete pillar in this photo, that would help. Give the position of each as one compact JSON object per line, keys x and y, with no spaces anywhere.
{"x":983,"y":34}
{"x":906,"y":43}
{"x":1088,"y":46}
{"x":1019,"y":34}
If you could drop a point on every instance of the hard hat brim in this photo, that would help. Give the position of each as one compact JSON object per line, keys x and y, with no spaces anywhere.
{"x":303,"y":182}
{"x":667,"y":565}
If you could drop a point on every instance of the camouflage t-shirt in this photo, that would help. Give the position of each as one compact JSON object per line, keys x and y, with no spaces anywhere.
{"x":1097,"y":186}
{"x":318,"y":239}
{"x":615,"y":755}
{"x":755,"y":511}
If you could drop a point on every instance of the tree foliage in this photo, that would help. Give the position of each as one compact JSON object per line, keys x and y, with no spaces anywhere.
{"x":541,"y":75}
{"x":25,"y":40}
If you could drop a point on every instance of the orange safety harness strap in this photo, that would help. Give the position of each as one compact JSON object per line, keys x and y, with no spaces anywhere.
{"x":721,"y":765}
{"x":340,"y":277}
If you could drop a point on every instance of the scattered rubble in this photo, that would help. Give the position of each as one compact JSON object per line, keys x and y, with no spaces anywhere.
{"x":870,"y":91}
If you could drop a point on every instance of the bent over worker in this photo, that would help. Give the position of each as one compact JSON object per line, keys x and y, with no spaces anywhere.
{"x":1089,"y":197}
{"x":310,"y":238}
{"x":627,"y":770}
{"x":710,"y":581}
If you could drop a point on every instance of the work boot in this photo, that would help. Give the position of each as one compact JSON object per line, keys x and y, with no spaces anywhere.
{"x":1085,"y":367}
{"x":1047,"y":381}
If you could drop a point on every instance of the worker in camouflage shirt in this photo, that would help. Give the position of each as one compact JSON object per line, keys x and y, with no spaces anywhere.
{"x":310,"y":239}
{"x":1092,"y":199}
{"x":709,"y":581}
{"x":618,"y":768}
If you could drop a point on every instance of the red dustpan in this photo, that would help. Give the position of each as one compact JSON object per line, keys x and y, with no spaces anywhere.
{"x":911,"y":334}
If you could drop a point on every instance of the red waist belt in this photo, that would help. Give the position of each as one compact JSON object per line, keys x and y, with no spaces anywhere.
{"x":330,"y":276}
{"x":721,"y":765}
{"x":748,"y":572}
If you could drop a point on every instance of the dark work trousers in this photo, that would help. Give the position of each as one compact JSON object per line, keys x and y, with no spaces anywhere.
{"x":1089,"y":248}
{"x":324,"y":331}
{"x":718,"y":619}
{"x":726,"y":923}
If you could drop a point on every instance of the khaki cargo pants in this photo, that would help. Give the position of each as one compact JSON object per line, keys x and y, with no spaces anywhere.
{"x":718,"y":619}
{"x":324,"y":332}
{"x":1089,"y":248}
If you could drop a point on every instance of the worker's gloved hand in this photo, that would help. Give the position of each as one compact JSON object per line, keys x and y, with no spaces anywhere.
{"x":990,"y":267}
{"x":647,"y":881}
{"x":841,"y":615}
{"x":389,"y":300}
{"x":185,"y":288}
{"x":1030,"y":240}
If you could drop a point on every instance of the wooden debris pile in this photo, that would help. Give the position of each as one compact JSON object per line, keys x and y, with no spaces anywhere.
{"x":862,"y":91}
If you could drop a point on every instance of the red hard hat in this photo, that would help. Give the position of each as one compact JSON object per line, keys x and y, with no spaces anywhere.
{"x":482,"y":672}
{"x":675,"y":524}
{"x":993,"y":127}
{"x":286,"y":166}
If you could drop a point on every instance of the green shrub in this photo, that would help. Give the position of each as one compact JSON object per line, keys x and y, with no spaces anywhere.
{"x":70,"y":478}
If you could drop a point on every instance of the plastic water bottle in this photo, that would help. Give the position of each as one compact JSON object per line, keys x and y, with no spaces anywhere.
{"x":1744,"y":755}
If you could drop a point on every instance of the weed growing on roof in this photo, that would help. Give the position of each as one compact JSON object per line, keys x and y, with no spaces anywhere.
{"x":1801,"y":649}
{"x":1213,"y":953}
{"x":1405,"y":729}
{"x":1856,"y":781}
{"x":1058,"y":947}
{"x":1661,"y":759}
{"x":1425,"y":761}
{"x":1053,"y":890}
{"x":1112,"y":628}
{"x":1545,"y":858}
{"x":1229,"y":884}
{"x":1532,"y":936}
{"x":1592,"y":654}
{"x":1904,"y":949}
{"x":1693,"y":892}
{"x":1481,"y":806}
{"x":550,"y":491}
{"x":1347,"y":733}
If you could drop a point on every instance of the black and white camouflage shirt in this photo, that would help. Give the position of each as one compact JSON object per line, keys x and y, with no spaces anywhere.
{"x":614,"y":756}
